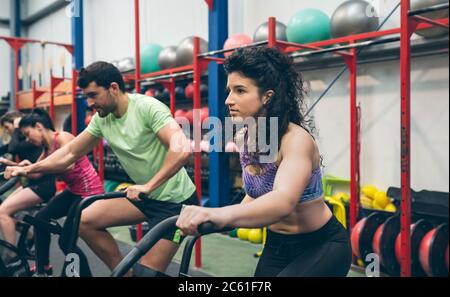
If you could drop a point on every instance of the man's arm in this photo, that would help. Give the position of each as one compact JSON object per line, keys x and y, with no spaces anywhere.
{"x":60,"y":160}
{"x":179,"y":151}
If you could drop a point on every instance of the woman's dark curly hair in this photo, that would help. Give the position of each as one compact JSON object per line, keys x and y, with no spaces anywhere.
{"x":271,"y":69}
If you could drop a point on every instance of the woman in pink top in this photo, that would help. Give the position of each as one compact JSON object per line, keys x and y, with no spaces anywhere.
{"x":81,"y":178}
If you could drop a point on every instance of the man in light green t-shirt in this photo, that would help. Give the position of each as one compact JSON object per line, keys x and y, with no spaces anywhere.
{"x":152,"y":149}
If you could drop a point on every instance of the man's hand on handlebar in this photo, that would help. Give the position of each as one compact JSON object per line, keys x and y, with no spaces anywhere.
{"x":136,"y":192}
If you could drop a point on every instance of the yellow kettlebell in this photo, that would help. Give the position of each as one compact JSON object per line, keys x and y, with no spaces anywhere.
{"x":242,"y":233}
{"x":122,"y":186}
{"x":255,"y":235}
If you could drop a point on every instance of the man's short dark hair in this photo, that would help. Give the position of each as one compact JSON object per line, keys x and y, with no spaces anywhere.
{"x":103,"y":74}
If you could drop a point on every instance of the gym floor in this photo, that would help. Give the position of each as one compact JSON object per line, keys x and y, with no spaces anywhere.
{"x":217,"y":260}
{"x":222,"y":256}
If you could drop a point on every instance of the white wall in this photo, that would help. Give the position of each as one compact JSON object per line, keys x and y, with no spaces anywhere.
{"x":246,"y":16}
{"x":379,"y":96}
{"x":5,"y":58}
{"x":33,"y":6}
{"x":5,"y":52}
{"x":56,"y":27}
{"x":110,"y":36}
{"x":4,"y":9}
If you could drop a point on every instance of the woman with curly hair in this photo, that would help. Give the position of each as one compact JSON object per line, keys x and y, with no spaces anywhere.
{"x":303,"y":237}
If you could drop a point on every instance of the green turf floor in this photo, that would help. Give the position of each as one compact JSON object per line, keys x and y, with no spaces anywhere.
{"x":221,"y":255}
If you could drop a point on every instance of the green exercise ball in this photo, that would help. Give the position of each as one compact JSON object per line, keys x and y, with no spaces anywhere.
{"x":149,"y":57}
{"x":308,"y":25}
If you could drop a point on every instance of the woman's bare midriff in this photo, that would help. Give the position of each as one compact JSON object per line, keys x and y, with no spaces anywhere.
{"x":307,"y":217}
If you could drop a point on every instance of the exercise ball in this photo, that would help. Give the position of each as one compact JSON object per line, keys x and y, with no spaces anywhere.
{"x":179,"y":93}
{"x":180,"y":116}
{"x":204,"y":114}
{"x":435,"y":31}
{"x":231,"y":147}
{"x":205,"y":146}
{"x":369,"y":191}
{"x":262,"y":32}
{"x":150,"y":93}
{"x":203,"y":90}
{"x":189,"y":115}
{"x":126,"y":64}
{"x":242,"y":233}
{"x":149,"y":58}
{"x":158,"y":94}
{"x":390,"y":207}
{"x":381,"y":199}
{"x":189,"y":91}
{"x":167,"y":58}
{"x":235,"y":41}
{"x":179,"y":113}
{"x":165,"y":95}
{"x":115,"y":63}
{"x":308,"y":25}
{"x":255,"y":235}
{"x":185,"y":50}
{"x":353,"y":17}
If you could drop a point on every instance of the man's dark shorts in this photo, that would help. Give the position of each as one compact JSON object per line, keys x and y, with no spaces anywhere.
{"x":157,"y":211}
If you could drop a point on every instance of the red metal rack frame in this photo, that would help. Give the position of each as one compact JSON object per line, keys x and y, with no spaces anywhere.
{"x":409,"y":24}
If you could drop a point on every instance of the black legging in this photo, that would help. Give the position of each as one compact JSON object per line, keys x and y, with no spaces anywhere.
{"x":323,"y":253}
{"x":62,"y":205}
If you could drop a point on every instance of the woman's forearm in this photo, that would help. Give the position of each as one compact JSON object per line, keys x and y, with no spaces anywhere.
{"x":261,"y":212}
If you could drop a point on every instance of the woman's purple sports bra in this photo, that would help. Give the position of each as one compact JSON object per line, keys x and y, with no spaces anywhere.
{"x":258,"y":185}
